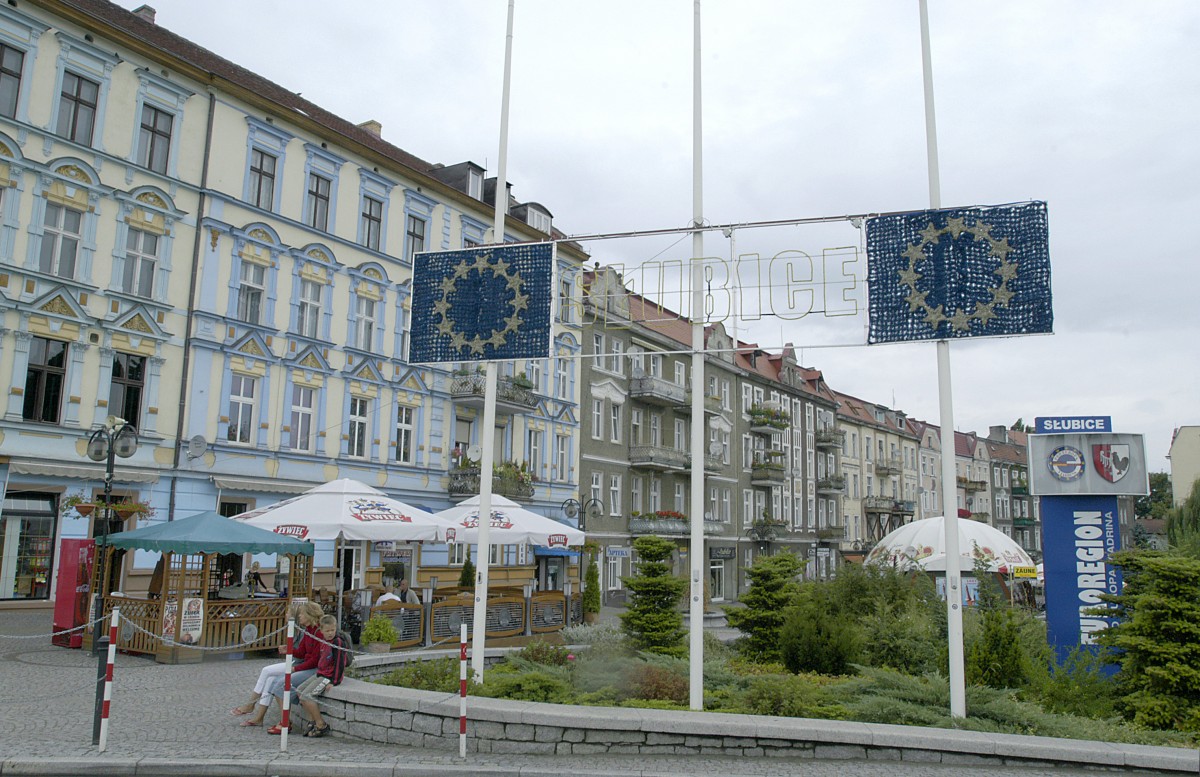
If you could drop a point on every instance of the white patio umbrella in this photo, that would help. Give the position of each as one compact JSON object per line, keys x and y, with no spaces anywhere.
{"x":511,"y":525}
{"x":348,"y":510}
{"x":923,"y":543}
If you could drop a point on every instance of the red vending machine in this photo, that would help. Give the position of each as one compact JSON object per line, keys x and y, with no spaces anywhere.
{"x":72,"y":590}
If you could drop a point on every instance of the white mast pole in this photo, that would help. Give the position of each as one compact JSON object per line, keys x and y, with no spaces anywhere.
{"x":696,"y":545}
{"x":958,"y":688}
{"x":488,"y":433}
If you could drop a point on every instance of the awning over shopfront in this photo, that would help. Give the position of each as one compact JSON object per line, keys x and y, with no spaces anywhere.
{"x":263,"y":485}
{"x":81,"y":471}
{"x":539,"y":551}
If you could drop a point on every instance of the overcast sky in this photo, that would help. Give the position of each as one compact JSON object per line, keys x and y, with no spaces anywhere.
{"x":815,"y":109}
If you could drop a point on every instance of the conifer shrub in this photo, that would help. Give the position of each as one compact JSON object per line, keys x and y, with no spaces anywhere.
{"x":652,"y":620}
{"x":466,"y":577}
{"x":772,"y":588}
{"x":815,"y":639}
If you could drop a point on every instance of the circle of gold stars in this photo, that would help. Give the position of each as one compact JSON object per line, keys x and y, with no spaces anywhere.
{"x":498,"y":337}
{"x":984,"y":312}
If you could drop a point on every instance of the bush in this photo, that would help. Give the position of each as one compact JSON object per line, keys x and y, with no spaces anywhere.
{"x":379,"y":629}
{"x":439,"y":674}
{"x":772,"y":588}
{"x":591,"y":587}
{"x":527,"y":686}
{"x":541,"y":652}
{"x":661,"y":683}
{"x":814,"y":639}
{"x":797,"y":696}
{"x":466,"y":578}
{"x":605,"y":635}
{"x":902,"y":637}
{"x":995,"y":657}
{"x":652,"y":620}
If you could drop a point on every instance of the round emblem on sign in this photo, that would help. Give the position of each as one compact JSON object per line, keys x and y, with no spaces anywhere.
{"x":1066,"y":463}
{"x":126,"y":632}
{"x":249,"y":633}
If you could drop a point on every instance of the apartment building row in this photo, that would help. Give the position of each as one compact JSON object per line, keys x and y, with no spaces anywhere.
{"x":227,"y":267}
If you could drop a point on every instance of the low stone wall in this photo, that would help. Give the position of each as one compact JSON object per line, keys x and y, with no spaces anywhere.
{"x":404,"y":716}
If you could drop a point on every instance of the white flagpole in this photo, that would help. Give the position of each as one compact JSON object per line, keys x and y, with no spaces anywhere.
{"x":488,"y":433}
{"x":958,"y":688}
{"x":696,"y":544}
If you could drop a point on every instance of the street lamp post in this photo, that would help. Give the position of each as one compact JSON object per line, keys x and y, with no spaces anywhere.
{"x":116,"y":438}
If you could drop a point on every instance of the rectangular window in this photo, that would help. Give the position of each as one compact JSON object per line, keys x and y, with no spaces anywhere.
{"x":241,"y":409}
{"x":681,"y":435}
{"x":318,"y":202}
{"x":680,"y":374}
{"x":635,"y":494}
{"x":141,"y":259}
{"x":414,"y":237}
{"x":125,"y":394}
{"x":364,"y":325}
{"x":77,"y":108}
{"x":616,"y":362}
{"x":309,"y":314}
{"x":726,"y":505}
{"x":302,"y":419}
{"x":533,"y":453}
{"x":44,"y":380}
{"x":747,"y":507}
{"x":655,"y":430}
{"x":154,"y":139}
{"x":597,"y":486}
{"x":372,"y":222}
{"x":457,"y":553}
{"x":561,"y":469}
{"x":12,"y":61}
{"x":533,"y":371}
{"x":356,"y":429}
{"x":60,"y":240}
{"x":565,"y":303}
{"x":262,"y":179}
{"x":635,"y":426}
{"x":614,"y":423}
{"x":560,"y":378}
{"x":680,"y":498}
{"x":406,"y":431}
{"x":597,"y":419}
{"x":250,"y":292}
{"x":655,"y":494}
{"x":656,"y":365}
{"x":614,"y":495}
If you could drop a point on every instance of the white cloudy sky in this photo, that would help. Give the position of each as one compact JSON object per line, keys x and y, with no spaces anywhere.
{"x":814,"y":108}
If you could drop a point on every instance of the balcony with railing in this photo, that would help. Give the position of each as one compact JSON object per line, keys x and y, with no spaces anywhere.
{"x":831,"y":484}
{"x":1020,"y":489}
{"x":833,"y":532}
{"x":713,"y":463}
{"x":668,"y":523}
{"x":657,"y":391}
{"x":509,"y":479}
{"x":971,"y":485}
{"x":829,"y":438}
{"x":878,"y":504}
{"x":712,"y":405}
{"x":904,"y":506}
{"x":513,"y":395}
{"x":768,"y":471}
{"x":766,"y":530}
{"x":887,"y":466}
{"x":656,"y":457}
{"x":765,"y":419}
{"x":1022,"y":522}
{"x":981,"y":517}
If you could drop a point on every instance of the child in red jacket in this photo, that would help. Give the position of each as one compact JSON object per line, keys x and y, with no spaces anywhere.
{"x":335,"y":654}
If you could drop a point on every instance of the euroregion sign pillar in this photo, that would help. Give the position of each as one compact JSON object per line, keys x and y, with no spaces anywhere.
{"x":1078,"y":467}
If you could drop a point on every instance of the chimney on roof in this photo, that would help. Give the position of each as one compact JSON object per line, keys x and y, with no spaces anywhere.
{"x":998,"y":433}
{"x":146,"y":12}
{"x":372,"y":126}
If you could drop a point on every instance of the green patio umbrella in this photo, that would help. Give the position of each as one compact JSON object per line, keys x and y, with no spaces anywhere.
{"x":207,"y":532}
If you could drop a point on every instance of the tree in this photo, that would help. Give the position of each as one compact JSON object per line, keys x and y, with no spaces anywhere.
{"x":1158,"y":503}
{"x":1019,"y":425}
{"x":591,"y":587}
{"x":772,"y":589}
{"x":466,"y":578}
{"x":817,"y":638}
{"x":1156,"y":640}
{"x":652,"y":620}
{"x":1183,"y":525}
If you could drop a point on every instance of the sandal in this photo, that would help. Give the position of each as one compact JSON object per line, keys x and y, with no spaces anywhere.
{"x":276,"y":730}
{"x":251,"y":722}
{"x":318,"y":732}
{"x":237,"y":711}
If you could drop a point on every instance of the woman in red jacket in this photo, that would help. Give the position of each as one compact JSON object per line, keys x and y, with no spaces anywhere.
{"x":305,"y":655}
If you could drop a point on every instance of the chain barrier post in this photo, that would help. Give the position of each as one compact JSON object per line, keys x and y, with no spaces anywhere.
{"x":108,"y":677}
{"x":462,"y":691}
{"x":98,"y":642}
{"x":286,"y":724}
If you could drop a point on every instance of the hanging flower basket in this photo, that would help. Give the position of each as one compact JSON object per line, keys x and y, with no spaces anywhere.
{"x":84,"y":510}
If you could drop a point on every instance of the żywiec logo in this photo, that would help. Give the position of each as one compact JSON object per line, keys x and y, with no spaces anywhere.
{"x":450,"y":535}
{"x":374,"y":510}
{"x":499,"y":521}
{"x":1111,"y":461}
{"x":556,"y":540}
{"x":292,"y":530}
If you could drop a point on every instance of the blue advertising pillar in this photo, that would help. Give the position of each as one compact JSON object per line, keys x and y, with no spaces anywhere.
{"x":1078,"y":467}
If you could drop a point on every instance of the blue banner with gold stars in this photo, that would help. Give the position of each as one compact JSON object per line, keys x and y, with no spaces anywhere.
{"x":964,"y":272}
{"x":482,"y":304}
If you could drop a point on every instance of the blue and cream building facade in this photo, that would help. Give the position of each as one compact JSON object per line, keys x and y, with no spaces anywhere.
{"x":227,"y":267}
